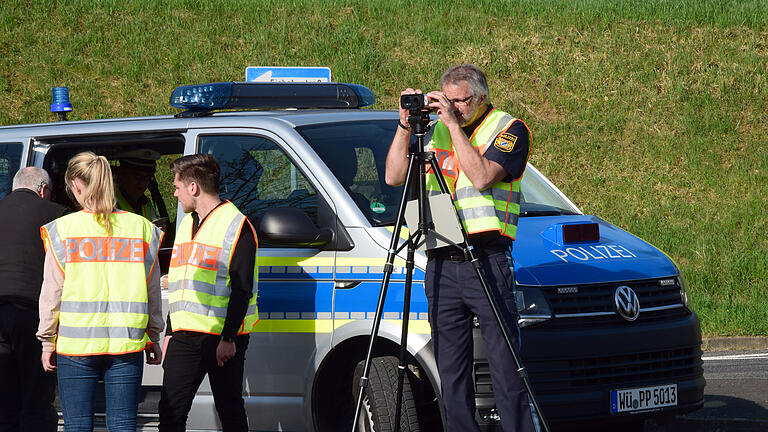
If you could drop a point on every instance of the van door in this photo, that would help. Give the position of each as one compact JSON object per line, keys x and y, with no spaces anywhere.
{"x":12,"y":155}
{"x":295,"y":290}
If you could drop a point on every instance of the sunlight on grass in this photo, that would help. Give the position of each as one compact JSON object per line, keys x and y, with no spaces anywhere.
{"x":650,"y":114}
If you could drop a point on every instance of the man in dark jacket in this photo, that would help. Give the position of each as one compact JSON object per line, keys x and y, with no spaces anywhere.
{"x":27,"y":392}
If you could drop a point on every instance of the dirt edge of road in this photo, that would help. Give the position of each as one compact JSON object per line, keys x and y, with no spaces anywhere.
{"x":737,"y":343}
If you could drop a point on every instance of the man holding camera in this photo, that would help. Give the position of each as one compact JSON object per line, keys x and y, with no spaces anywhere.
{"x":482,"y":153}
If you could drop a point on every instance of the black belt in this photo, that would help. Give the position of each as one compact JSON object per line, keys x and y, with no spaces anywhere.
{"x":456,"y":255}
{"x":484,"y":244}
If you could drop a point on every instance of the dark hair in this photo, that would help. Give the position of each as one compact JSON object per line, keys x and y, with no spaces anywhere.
{"x":199,"y":168}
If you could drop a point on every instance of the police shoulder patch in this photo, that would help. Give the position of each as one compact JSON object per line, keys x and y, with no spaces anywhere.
{"x":505,"y":142}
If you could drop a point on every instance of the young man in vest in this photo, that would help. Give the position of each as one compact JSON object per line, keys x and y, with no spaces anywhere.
{"x":27,"y":391}
{"x":212,"y":298}
{"x":482,"y":154}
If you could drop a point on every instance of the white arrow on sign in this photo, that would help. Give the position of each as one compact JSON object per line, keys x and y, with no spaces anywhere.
{"x":288,"y":74}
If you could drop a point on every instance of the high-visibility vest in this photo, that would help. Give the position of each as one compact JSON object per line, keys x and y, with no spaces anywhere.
{"x":198,"y":278}
{"x":147,"y":209}
{"x":104,"y":298}
{"x":494,"y":209}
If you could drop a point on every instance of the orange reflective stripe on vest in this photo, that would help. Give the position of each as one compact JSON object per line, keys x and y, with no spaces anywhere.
{"x":105,"y":249}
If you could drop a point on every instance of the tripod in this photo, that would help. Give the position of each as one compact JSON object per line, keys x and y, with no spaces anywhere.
{"x":419,"y":120}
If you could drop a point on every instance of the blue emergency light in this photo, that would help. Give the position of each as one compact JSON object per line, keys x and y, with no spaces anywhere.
{"x":61,"y":104}
{"x":203,"y":98}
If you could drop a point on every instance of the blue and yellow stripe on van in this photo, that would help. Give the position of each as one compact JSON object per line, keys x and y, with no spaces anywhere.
{"x":278,"y":267}
{"x":298,"y":294}
{"x":328,"y":325}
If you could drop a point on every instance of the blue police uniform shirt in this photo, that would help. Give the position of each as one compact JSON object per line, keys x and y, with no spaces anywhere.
{"x":512,"y":161}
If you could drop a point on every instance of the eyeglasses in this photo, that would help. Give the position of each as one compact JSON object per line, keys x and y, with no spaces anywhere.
{"x":40,"y":186}
{"x":462,"y":101}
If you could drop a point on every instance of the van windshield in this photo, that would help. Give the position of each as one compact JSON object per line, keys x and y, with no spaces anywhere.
{"x":356,"y":153}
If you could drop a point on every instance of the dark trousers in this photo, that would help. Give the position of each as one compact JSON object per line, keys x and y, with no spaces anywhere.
{"x":454,"y":295}
{"x":26,"y":390}
{"x":190,"y":356}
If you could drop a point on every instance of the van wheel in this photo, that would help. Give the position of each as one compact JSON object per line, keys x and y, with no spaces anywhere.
{"x":378,"y":410}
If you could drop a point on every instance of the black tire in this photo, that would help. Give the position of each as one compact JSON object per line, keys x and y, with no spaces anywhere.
{"x":378,"y":411}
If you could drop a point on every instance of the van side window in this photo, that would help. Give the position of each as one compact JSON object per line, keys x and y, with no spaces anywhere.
{"x":10,"y":159}
{"x":256,"y":175}
{"x":356,"y":153}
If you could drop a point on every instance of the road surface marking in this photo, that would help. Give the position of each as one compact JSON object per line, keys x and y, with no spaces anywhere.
{"x":736,"y":357}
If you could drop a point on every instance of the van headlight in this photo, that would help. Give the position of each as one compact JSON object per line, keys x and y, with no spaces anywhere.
{"x":683,"y":290}
{"x":680,"y":283}
{"x":532,"y":306}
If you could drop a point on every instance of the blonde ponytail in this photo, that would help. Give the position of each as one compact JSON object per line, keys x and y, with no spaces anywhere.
{"x":99,"y":194}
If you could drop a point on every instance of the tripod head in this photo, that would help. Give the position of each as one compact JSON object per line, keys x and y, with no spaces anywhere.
{"x":419,"y":121}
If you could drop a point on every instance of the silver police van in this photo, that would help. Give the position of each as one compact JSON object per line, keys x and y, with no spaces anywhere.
{"x":607,"y":334}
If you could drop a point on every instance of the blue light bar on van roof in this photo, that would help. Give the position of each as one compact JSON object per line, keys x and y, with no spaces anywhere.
{"x":241,"y":95}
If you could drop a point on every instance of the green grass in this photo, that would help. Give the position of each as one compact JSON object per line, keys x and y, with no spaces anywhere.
{"x":650,"y":114}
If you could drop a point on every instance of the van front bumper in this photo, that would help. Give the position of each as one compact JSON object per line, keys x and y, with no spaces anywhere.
{"x":572,"y":377}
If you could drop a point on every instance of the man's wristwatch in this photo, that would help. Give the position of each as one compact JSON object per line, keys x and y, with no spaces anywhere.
{"x":227,"y":339}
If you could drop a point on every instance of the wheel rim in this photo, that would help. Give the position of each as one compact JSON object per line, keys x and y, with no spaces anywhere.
{"x":365,"y":421}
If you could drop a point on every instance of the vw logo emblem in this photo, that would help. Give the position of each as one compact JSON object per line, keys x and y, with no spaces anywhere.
{"x":627,"y":304}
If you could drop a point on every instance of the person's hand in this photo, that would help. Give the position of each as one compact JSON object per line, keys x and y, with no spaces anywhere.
{"x":154,"y":354}
{"x":224,"y":352}
{"x":443,"y":107}
{"x":404,"y":112}
{"x":48,"y":359}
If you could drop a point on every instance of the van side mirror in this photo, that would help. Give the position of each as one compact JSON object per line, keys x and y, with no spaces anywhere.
{"x":293,"y":227}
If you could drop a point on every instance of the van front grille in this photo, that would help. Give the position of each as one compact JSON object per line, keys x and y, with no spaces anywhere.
{"x":599,"y":372}
{"x":594,"y":304}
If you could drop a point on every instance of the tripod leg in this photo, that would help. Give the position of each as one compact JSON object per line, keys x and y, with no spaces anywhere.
{"x":388,"y":269}
{"x":401,"y":368}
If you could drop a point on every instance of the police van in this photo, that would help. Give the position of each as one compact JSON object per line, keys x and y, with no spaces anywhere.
{"x":607,"y":334}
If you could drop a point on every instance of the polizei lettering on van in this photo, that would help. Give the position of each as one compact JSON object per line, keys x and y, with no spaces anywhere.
{"x":593,"y":253}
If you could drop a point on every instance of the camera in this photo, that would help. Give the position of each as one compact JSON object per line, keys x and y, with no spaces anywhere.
{"x":416,"y":102}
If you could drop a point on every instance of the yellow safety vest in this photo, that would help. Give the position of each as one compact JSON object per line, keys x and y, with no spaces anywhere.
{"x":198,"y":278}
{"x":494,"y":209}
{"x":147,"y":209}
{"x":104,"y":298}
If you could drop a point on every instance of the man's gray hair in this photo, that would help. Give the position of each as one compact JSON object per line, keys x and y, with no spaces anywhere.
{"x":31,"y":178}
{"x":469,"y":73}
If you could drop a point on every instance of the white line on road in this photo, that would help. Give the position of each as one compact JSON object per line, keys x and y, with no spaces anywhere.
{"x":736,"y":357}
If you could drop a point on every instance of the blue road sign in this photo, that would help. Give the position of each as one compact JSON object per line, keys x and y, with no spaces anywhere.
{"x":287,"y":74}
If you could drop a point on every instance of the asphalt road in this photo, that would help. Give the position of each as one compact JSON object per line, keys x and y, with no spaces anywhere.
{"x":735,"y":398}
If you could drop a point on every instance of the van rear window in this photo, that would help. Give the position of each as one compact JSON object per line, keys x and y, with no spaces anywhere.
{"x":10,"y":160}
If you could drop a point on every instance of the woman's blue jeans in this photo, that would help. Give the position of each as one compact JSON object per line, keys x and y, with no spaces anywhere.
{"x":78,"y":378}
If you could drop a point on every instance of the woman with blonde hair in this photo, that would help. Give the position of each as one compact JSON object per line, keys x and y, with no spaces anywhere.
{"x":100,"y":299}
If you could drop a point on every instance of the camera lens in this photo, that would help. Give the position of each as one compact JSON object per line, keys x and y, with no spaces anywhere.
{"x":412,"y":101}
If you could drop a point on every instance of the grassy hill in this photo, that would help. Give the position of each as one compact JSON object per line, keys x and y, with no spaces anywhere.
{"x":650,"y":114}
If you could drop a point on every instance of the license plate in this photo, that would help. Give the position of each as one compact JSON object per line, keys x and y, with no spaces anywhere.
{"x":644,"y":398}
